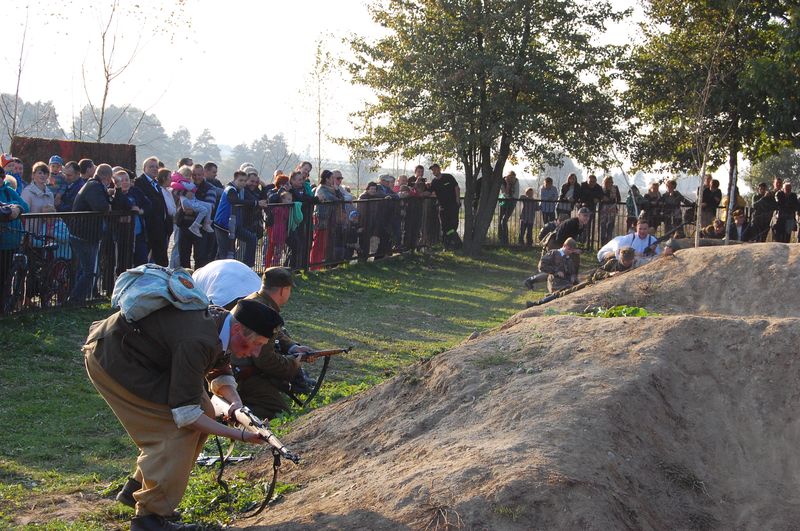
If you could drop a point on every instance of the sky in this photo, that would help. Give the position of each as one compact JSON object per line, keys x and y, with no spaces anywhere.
{"x":240,"y":68}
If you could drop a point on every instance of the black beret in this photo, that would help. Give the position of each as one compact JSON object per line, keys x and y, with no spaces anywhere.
{"x":259,"y":318}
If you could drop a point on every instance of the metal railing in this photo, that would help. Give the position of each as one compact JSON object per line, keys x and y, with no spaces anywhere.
{"x":57,"y":259}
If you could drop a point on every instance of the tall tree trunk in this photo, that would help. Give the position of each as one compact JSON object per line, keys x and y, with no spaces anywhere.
{"x":733,"y":173}
{"x":492,"y":178}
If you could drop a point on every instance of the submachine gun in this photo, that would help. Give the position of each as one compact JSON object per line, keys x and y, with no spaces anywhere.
{"x":247,"y":421}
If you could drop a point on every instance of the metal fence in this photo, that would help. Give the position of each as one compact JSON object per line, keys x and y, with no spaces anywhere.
{"x":312,"y":236}
{"x":57,"y":259}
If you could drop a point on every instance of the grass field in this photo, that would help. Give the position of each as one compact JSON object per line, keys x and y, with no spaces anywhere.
{"x":58,"y":437}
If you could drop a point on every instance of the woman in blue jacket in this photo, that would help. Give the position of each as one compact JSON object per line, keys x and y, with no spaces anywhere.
{"x":11,"y":206}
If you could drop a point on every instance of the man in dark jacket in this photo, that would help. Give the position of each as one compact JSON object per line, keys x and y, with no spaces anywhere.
{"x":448,"y":196}
{"x":788,"y":206}
{"x":764,"y":206}
{"x":571,"y":228}
{"x":710,"y":199}
{"x":155,"y":378}
{"x":157,"y":220}
{"x":590,"y":195}
{"x":85,"y":233}
{"x":264,"y":379}
{"x":73,"y":182}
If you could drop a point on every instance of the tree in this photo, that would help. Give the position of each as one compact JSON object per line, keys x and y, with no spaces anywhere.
{"x":279,"y":157}
{"x":205,"y":147}
{"x":478,"y":81}
{"x":112,"y":69}
{"x":181,"y":143}
{"x":30,"y":119}
{"x":786,"y":165}
{"x":319,"y":78}
{"x":700,"y":75}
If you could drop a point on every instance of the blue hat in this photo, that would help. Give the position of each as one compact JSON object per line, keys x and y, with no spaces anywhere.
{"x":55,"y":159}
{"x":352,"y":215}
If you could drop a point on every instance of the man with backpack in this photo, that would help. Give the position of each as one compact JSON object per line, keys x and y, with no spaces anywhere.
{"x":152,"y":372}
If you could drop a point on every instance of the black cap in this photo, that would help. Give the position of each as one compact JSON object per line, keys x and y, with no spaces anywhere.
{"x":277,"y":277}
{"x":258,"y":317}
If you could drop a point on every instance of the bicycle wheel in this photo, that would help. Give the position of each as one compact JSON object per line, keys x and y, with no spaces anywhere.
{"x":16,"y":284}
{"x":61,"y":275}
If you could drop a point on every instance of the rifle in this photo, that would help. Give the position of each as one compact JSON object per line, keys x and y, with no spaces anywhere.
{"x":651,"y":249}
{"x":308,"y":357}
{"x":245,"y":418}
{"x":247,"y":421}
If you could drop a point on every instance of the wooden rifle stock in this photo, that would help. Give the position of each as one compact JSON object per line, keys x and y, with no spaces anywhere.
{"x":245,"y":419}
{"x":315,"y":354}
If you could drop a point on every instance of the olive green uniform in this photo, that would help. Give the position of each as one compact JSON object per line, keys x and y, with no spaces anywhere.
{"x":148,"y":376}
{"x":262,"y":379}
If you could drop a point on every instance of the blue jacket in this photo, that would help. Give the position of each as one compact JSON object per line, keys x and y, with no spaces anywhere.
{"x":231,"y":197}
{"x":69,"y":195}
{"x":10,"y":239}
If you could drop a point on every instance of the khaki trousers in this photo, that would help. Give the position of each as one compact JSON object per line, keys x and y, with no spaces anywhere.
{"x":166,"y":453}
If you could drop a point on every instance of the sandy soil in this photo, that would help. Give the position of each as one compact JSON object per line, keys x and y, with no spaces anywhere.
{"x":684,"y":421}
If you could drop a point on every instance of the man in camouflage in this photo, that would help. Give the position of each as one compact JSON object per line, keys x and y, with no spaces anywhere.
{"x":561,"y":266}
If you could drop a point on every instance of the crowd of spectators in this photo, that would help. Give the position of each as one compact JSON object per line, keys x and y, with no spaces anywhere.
{"x":187,"y":217}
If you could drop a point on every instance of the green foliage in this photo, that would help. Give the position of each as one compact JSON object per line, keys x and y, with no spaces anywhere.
{"x":617,"y":311}
{"x":479,"y":82}
{"x":707,"y":70}
{"x":786,"y":165}
{"x":206,"y":502}
{"x":491,"y":360}
{"x":508,"y":511}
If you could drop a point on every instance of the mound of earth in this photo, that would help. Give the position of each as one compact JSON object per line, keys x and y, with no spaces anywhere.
{"x":684,"y":421}
{"x":739,"y":280}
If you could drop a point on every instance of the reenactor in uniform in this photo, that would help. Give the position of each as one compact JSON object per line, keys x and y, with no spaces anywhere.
{"x":264,"y":380}
{"x":611,"y":267}
{"x":561,"y":266}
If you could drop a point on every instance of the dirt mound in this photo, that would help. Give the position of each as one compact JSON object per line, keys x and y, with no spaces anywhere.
{"x":741,"y":280}
{"x":674,"y":422}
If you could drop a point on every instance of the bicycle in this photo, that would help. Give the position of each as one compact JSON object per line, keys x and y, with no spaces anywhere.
{"x":36,"y":271}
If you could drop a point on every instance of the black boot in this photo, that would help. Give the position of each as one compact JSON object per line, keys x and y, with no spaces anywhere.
{"x":125,"y":496}
{"x":529,"y":282}
{"x":154,"y":522}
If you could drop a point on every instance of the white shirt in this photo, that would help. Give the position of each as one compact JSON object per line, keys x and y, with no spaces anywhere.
{"x":639,"y":245}
{"x":226,"y":280}
{"x":169,"y":201}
